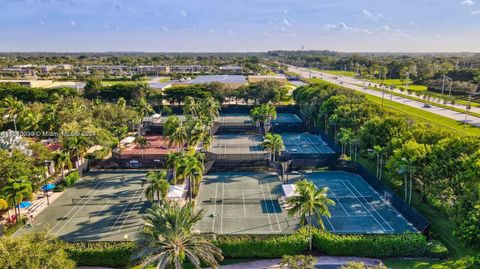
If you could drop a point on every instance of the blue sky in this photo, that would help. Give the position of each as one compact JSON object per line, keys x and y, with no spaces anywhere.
{"x":244,"y":25}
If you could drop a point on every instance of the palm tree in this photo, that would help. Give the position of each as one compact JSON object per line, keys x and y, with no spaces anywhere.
{"x":62,"y":159}
{"x":178,"y":137}
{"x":167,"y":238}
{"x":78,"y":145}
{"x":4,"y":205}
{"x":10,"y":108}
{"x":274,"y":144}
{"x":16,"y":191}
{"x":310,"y":202}
{"x":30,"y":120}
{"x":191,"y":168}
{"x":404,"y":167}
{"x":143,"y":143}
{"x":173,"y":162}
{"x":157,"y":184}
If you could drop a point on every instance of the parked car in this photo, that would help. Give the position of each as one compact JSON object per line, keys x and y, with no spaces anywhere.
{"x":134,"y":164}
{"x":427,"y":105}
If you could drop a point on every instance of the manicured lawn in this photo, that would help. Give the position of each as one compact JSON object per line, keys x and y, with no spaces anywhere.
{"x":427,"y":116}
{"x":190,"y":266}
{"x":114,"y":82}
{"x":337,"y":72}
{"x":399,"y":84}
{"x":462,"y":263}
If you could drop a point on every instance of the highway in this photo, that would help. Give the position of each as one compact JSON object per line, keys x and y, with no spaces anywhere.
{"x":352,"y":83}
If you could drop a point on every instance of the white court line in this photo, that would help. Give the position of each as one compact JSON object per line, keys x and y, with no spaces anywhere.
{"x":391,"y":228}
{"x":273,"y":206}
{"x":69,"y":219}
{"x":125,"y":208}
{"x":85,"y":196}
{"x":341,"y":204}
{"x":328,"y":220}
{"x":269,"y":220}
{"x":370,"y":213}
{"x":223,"y":196}
{"x":128,"y":215}
{"x":244,"y":206}
{"x":215,"y":207}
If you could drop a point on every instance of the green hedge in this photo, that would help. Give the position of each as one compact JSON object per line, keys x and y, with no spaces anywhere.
{"x":71,"y":178}
{"x":376,"y":246}
{"x":249,"y":246}
{"x":105,"y":254}
{"x":437,"y":250}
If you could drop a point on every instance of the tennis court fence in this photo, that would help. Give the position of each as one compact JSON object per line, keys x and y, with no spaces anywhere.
{"x":407,"y":211}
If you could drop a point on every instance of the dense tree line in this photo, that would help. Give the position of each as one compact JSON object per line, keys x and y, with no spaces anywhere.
{"x":442,"y":166}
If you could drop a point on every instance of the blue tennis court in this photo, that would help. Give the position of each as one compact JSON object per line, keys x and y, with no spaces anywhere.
{"x":305,"y":143}
{"x":359,"y":208}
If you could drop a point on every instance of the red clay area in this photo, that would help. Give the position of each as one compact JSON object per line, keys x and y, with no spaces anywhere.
{"x":157,"y":148}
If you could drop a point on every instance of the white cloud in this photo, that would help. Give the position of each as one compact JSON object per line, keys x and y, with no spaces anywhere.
{"x":282,"y":29}
{"x":73,"y":23}
{"x":476,"y":12}
{"x":183,"y":13}
{"x":117,"y":28}
{"x":386,"y":28}
{"x":291,"y":35}
{"x":285,"y":11}
{"x":267,"y":34}
{"x":230,"y":32}
{"x":211,"y":31}
{"x":270,"y":22}
{"x":374,"y":16}
{"x":343,"y":27}
{"x":286,"y":22}
{"x":165,"y":29}
{"x":467,"y":3}
{"x":42,"y":22}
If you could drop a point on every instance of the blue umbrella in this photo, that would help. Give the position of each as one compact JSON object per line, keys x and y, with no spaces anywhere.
{"x":24,"y":204}
{"x":48,"y":187}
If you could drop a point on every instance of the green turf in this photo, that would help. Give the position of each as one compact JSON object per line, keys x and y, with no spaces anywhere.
{"x":400,"y":84}
{"x":337,"y":72}
{"x":113,"y":82}
{"x":427,"y":116}
{"x":462,"y":263}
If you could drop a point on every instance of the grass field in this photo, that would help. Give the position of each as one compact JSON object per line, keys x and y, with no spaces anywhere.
{"x":337,"y":72}
{"x":427,"y":116}
{"x":399,"y":84}
{"x":114,"y":82}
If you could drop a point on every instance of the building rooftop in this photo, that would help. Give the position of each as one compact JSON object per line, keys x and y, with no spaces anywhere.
{"x":218,"y":78}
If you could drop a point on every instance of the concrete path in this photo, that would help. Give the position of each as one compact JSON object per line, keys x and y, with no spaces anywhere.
{"x":349,"y":82}
{"x":323,"y":260}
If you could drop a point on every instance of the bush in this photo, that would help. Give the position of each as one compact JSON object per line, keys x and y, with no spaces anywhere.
{"x":71,"y":178}
{"x":377,"y":246}
{"x":437,"y":250}
{"x":249,"y":246}
{"x":105,"y":254}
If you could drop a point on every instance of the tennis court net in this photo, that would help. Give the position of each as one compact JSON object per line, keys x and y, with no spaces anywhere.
{"x":240,"y":200}
{"x":103,"y":201}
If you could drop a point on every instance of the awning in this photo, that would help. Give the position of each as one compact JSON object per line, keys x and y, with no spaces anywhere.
{"x":290,"y":190}
{"x":176,"y":192}
{"x":48,"y":187}
{"x":24,"y":204}
{"x":127,"y":140}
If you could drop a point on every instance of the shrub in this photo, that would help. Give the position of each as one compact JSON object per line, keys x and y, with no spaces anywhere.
{"x":437,"y":250}
{"x":71,"y":178}
{"x":378,"y":246}
{"x":105,"y":254}
{"x":249,"y":246}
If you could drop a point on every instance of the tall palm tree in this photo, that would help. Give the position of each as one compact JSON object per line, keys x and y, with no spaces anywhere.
{"x":178,"y":137}
{"x":143,"y":143}
{"x":16,"y":191}
{"x":191,"y":168}
{"x":30,"y":120}
{"x":173,"y":162}
{"x":308,"y":203}
{"x":168,"y":241}
{"x":10,"y":108}
{"x":78,"y":145}
{"x":61,"y":159}
{"x":157,"y":184}
{"x":274,"y":144}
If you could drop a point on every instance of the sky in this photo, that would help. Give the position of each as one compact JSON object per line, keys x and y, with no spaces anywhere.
{"x":239,"y":26}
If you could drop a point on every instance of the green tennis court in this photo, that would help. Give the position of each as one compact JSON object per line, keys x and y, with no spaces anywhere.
{"x":359,"y":208}
{"x":243,"y":203}
{"x":101,"y":206}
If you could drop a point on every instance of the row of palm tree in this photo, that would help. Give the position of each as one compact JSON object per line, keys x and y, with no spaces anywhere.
{"x":262,"y":116}
{"x":273,"y":143}
{"x":168,"y":239}
{"x":186,"y":166}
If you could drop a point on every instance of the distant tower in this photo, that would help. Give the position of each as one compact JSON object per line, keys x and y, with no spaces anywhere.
{"x":302,"y":47}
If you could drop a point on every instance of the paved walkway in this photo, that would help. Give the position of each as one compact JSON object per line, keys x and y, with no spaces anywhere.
{"x":349,"y":82}
{"x":323,"y":260}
